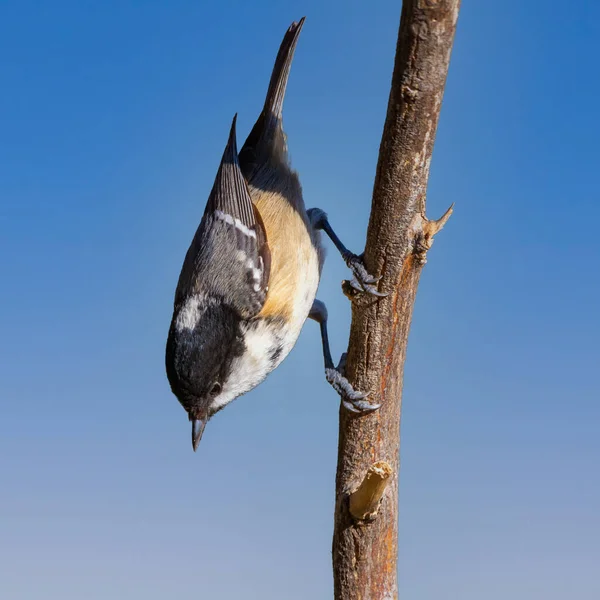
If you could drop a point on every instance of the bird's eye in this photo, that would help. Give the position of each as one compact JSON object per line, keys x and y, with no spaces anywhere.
{"x":215,"y":389}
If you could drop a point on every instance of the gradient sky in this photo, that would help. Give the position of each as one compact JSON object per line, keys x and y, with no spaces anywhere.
{"x":113,"y":118}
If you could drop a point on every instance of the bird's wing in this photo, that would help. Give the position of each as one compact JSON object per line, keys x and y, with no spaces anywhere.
{"x":229,"y":257}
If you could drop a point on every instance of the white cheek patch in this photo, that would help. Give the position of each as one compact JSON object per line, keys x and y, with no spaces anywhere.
{"x":235,"y":222}
{"x":189,"y":315}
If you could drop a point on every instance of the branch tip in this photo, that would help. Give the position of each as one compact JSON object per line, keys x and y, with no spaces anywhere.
{"x":430,"y":228}
{"x":424,"y":240}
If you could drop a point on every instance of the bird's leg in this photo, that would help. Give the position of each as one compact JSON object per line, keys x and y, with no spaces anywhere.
{"x":352,"y":399}
{"x":362,"y":281}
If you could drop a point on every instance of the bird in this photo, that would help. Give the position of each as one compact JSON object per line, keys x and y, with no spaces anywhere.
{"x":249,"y":279}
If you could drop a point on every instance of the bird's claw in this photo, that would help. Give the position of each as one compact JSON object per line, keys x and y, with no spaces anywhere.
{"x":353,"y":400}
{"x":366,"y":288}
{"x":363,"y":281}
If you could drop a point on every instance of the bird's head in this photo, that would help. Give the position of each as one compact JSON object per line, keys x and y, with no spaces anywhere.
{"x":204,"y":339}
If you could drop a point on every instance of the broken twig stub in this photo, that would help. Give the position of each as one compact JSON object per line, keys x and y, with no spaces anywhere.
{"x":364,"y":501}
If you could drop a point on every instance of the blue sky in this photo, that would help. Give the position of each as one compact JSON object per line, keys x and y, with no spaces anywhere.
{"x":113,"y":118}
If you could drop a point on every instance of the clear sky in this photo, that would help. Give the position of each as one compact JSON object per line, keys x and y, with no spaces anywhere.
{"x":113,"y":118}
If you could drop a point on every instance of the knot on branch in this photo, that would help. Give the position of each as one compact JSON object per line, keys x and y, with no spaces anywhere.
{"x":364,"y":501}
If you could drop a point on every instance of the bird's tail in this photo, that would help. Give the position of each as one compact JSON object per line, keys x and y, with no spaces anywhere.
{"x":266,"y":140}
{"x":273,"y":108}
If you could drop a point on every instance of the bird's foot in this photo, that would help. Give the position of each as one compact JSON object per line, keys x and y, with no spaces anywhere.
{"x":353,"y":400}
{"x":363,"y":281}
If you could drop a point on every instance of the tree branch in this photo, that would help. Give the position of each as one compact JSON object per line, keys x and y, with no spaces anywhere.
{"x":398,"y":238}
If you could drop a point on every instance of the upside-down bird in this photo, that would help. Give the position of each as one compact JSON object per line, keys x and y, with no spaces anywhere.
{"x":250,"y":277}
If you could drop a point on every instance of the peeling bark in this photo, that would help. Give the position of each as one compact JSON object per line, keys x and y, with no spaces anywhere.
{"x":398,"y":238}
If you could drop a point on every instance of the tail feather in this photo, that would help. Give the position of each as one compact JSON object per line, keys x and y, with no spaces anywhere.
{"x":266,"y":139}
{"x":281,"y":72}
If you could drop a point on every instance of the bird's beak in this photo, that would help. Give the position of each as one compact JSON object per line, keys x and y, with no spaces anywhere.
{"x":198,"y":426}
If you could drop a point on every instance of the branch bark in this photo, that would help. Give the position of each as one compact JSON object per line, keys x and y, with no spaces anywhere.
{"x":398,"y":238}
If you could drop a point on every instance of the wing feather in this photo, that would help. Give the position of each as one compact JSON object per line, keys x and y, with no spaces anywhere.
{"x":229,"y":255}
